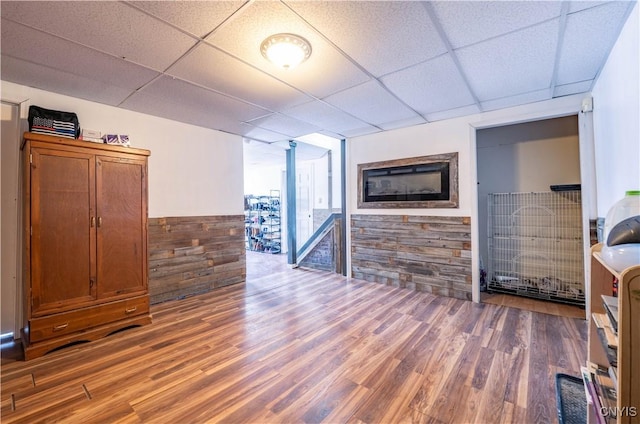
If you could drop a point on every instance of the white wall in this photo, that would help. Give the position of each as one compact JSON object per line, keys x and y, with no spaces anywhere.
{"x":193,"y":171}
{"x":528,"y":157}
{"x":616,"y":118}
{"x":260,"y":180}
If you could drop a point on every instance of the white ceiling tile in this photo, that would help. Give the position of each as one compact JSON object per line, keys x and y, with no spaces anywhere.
{"x":510,"y":101}
{"x":576,"y":6}
{"x":512,"y":64}
{"x":371,"y":103}
{"x":196,"y":17}
{"x":330,"y":134}
{"x":202,"y":65}
{"x":573,"y":88}
{"x":409,"y":122}
{"x":589,"y":36}
{"x":257,"y":133}
{"x":306,"y":151}
{"x":469,"y":22}
{"x":284,"y":125}
{"x":357,"y":132}
{"x":22,"y":72}
{"x":453,"y":113}
{"x":256,"y":153}
{"x":178,"y":100}
{"x":75,"y":48}
{"x":275,"y":153}
{"x":25,"y":43}
{"x":408,"y":34}
{"x":108,"y":26}
{"x":431,"y":86}
{"x":325,"y":116}
{"x":243,"y":36}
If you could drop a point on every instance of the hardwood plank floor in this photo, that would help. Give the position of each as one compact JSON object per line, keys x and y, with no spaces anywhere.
{"x":306,"y":346}
{"x":529,"y":304}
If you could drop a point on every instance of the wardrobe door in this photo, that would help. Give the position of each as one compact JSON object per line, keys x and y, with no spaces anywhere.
{"x":122,"y":226}
{"x":62,"y":255}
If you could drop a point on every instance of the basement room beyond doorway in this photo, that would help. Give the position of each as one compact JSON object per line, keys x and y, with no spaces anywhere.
{"x":314,"y":197}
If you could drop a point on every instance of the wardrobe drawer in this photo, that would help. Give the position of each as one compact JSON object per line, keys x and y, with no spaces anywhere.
{"x":75,"y":321}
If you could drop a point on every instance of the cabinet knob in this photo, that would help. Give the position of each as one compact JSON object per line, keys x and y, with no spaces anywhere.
{"x":93,"y":221}
{"x":130,"y":310}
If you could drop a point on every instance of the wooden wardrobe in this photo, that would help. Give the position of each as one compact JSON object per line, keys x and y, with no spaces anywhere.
{"x":85,"y":239}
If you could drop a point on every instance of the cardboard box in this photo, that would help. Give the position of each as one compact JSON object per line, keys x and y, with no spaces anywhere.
{"x":90,"y":134}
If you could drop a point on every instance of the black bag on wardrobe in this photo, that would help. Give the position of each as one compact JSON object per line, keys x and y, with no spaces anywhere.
{"x":53,"y":122}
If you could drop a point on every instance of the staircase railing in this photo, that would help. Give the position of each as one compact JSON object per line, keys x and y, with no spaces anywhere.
{"x":317,"y":236}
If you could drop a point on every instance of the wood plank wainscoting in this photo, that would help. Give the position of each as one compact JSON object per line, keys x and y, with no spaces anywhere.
{"x":423,"y":253}
{"x":194,"y":254}
{"x":307,"y":346}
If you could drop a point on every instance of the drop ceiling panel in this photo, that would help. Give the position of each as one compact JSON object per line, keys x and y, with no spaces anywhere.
{"x":577,"y":6}
{"x":25,"y":43}
{"x":401,"y":123}
{"x":324,"y":116}
{"x":371,"y":103}
{"x":574,"y":88}
{"x":243,"y":36}
{"x":256,"y":153}
{"x":25,"y":73}
{"x":531,"y":97}
{"x":505,"y":50}
{"x":178,"y":100}
{"x":306,"y":151}
{"x":196,"y":17}
{"x":381,"y":36}
{"x":330,"y":134}
{"x":202,"y":66}
{"x":284,"y":125}
{"x":469,"y":22}
{"x":431,"y":86}
{"x":584,"y":51}
{"x":257,"y":133}
{"x":357,"y":132}
{"x":453,"y":113}
{"x":516,"y":63}
{"x":108,"y":26}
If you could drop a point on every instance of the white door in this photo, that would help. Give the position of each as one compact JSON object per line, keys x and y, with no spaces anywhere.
{"x":304,"y":203}
{"x":9,"y":154}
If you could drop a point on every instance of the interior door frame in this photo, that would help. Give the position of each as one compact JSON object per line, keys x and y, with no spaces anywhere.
{"x":587,"y":177}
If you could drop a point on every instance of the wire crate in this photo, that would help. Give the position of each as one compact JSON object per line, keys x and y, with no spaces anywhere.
{"x":535,"y":245}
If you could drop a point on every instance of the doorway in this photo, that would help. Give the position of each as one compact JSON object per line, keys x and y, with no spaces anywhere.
{"x":525,"y":158}
{"x":304,"y":200}
{"x":316,"y":188}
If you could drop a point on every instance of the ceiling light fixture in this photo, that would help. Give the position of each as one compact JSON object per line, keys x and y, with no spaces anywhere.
{"x":286,"y":50}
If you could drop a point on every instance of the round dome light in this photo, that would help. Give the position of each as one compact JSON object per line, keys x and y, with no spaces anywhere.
{"x":286,"y":50}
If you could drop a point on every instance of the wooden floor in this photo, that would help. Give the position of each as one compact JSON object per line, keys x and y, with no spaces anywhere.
{"x":306,"y":346}
{"x":544,"y":306}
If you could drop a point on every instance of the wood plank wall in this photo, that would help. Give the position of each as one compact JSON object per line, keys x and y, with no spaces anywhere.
{"x":424,"y":253}
{"x":190,"y":255}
